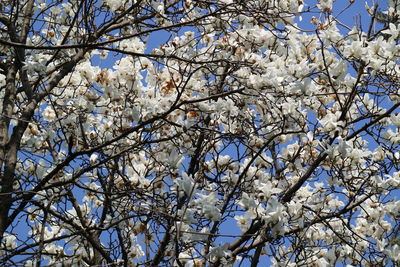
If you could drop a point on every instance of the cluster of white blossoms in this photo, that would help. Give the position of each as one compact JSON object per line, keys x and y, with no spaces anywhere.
{"x":240,"y":136}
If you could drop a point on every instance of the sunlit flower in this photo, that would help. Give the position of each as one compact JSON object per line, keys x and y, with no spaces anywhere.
{"x":49,"y":114}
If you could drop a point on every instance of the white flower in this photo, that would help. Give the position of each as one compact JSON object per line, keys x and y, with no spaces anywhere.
{"x":322,"y":262}
{"x":135,"y":251}
{"x":395,"y":119}
{"x":379,"y":154}
{"x":114,"y":5}
{"x":132,"y":45}
{"x":10,"y":241}
{"x":331,"y":122}
{"x":274,"y":211}
{"x":307,"y":86}
{"x":325,"y":5}
{"x":2,"y":80}
{"x":220,"y":251}
{"x":175,"y":159}
{"x":93,"y":158}
{"x":393,"y":180}
{"x":243,"y":221}
{"x":184,"y":258}
{"x":247,"y":202}
{"x":29,"y":263}
{"x":330,"y":33}
{"x":186,"y":184}
{"x":394,"y":252}
{"x":49,"y":114}
{"x":355,"y":49}
{"x":381,"y":244}
{"x":88,"y":71}
{"x":268,"y":189}
{"x":208,"y":204}
{"x":393,"y":31}
{"x":160,"y":8}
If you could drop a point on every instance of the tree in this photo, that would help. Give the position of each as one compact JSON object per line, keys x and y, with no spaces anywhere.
{"x":239,"y":138}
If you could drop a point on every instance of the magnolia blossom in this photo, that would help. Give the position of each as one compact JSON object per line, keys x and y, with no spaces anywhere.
{"x":393,"y":31}
{"x":177,"y":133}
{"x":187,"y":184}
{"x":330,"y":122}
{"x":49,"y":114}
{"x":325,"y":5}
{"x":2,"y":80}
{"x":9,"y":241}
{"x":114,"y":5}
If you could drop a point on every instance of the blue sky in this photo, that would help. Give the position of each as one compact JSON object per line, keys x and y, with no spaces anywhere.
{"x":355,"y":14}
{"x":349,"y":15}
